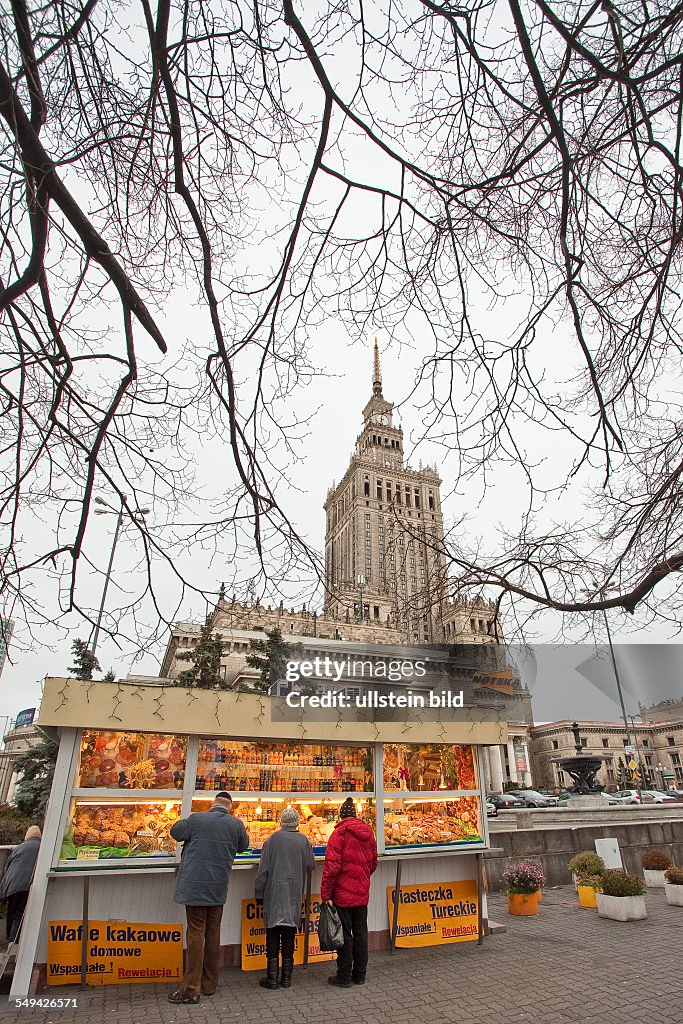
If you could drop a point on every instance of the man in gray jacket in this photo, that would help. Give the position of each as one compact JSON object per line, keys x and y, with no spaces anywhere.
{"x":210,"y":839}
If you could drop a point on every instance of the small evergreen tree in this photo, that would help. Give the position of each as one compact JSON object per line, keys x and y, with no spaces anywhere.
{"x":35,"y":769}
{"x":269,"y":656}
{"x":205,"y":672}
{"x":13,"y":825}
{"x":85,"y":662}
{"x":110,"y":677}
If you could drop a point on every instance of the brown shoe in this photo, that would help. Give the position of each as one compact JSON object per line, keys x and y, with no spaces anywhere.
{"x":178,"y":998}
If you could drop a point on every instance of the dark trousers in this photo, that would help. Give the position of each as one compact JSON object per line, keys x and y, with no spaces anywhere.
{"x":202,"y":956}
{"x":282,"y":933}
{"x":16,"y":904}
{"x":352,"y":958}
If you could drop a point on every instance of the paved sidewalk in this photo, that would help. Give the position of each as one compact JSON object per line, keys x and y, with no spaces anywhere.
{"x":563,"y":967}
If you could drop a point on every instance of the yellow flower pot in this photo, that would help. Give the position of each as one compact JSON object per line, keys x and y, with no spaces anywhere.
{"x":587,"y":896}
{"x":523,"y":904}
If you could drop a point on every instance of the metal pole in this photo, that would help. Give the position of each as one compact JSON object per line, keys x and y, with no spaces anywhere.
{"x":307,"y":916}
{"x":621,"y":695}
{"x":480,"y":898}
{"x":641,"y":757}
{"x":397,"y":894}
{"x":106,"y":581}
{"x":84,"y":935}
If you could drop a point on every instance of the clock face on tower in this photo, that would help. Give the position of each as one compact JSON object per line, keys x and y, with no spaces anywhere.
{"x":383,"y":420}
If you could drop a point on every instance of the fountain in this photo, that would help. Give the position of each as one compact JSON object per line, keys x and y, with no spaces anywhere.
{"x":583,"y":768}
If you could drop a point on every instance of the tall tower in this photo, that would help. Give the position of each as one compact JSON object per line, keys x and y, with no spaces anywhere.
{"x":384,"y":534}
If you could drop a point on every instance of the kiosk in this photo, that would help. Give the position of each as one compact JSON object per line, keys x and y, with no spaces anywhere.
{"x":134,"y":758}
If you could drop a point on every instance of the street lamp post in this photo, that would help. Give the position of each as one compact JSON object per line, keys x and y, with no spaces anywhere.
{"x":105,"y":511}
{"x":629,"y":736}
{"x":661,"y":769}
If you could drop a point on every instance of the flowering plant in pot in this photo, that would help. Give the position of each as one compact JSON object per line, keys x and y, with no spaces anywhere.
{"x":523,"y":882}
{"x":622,"y":897}
{"x":655,"y":863}
{"x":588,"y":886}
{"x":673,"y":886}
{"x":586,"y":863}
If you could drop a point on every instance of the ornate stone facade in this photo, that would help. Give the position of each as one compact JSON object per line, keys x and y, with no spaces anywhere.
{"x":384,"y":545}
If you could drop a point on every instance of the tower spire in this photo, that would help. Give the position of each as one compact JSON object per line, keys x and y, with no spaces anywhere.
{"x":376,"y":380}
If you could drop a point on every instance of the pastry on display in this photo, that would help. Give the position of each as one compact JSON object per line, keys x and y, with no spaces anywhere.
{"x":124,"y":830}
{"x":124,"y":760}
{"x":433,"y":824}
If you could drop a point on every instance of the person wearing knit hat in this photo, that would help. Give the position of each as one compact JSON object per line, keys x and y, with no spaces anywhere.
{"x":350,"y":860}
{"x":289,"y":818}
{"x":16,"y":881}
{"x":286,"y":859}
{"x":348,"y":808}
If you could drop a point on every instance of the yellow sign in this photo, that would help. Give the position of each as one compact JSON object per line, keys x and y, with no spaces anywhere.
{"x":119,"y":953}
{"x":254,"y":936}
{"x":434,"y":913}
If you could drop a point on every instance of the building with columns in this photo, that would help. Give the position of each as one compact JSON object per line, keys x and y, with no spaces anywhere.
{"x":16,"y":741}
{"x":509,"y":766}
{"x":658,"y":741}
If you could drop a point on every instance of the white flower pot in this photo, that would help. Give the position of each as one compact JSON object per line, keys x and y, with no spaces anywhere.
{"x":674,"y":894}
{"x":654,"y":879}
{"x":621,"y":908}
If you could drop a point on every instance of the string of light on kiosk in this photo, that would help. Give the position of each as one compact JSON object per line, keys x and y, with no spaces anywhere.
{"x":119,"y":694}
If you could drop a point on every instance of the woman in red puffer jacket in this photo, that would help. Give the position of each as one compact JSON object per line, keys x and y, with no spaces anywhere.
{"x":350,"y":860}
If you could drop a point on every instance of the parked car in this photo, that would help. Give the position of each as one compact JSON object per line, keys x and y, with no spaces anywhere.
{"x":491,"y":809}
{"x":504,"y":800}
{"x":654,"y":796}
{"x":611,"y":798}
{"x":627,"y":796}
{"x":555,"y":795}
{"x":532,"y":798}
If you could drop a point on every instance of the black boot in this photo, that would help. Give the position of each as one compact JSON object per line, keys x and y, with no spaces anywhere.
{"x":270,"y":980}
{"x":286,"y":975}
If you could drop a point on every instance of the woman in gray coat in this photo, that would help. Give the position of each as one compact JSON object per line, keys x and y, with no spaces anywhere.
{"x":16,"y":881}
{"x":286,"y":858}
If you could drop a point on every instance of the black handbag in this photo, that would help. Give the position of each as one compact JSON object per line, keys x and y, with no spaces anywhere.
{"x":330,"y":931}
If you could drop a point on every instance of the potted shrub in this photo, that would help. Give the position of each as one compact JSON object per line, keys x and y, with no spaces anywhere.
{"x":655,"y":863}
{"x":588,"y":886}
{"x":523,"y":882}
{"x":622,"y":897}
{"x":586,"y":864}
{"x":673,"y":886}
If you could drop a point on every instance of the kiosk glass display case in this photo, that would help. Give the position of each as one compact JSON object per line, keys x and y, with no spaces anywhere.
{"x":439,"y":821}
{"x":239,"y":767}
{"x":115,"y":830}
{"x":129,"y":788}
{"x":131,"y":760}
{"x":421,"y":767}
